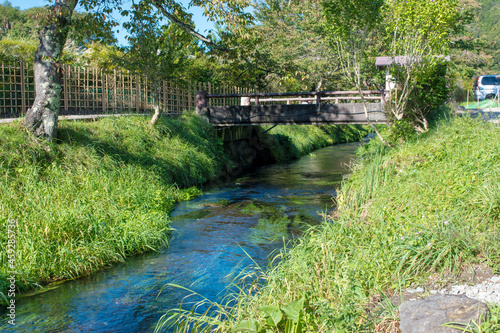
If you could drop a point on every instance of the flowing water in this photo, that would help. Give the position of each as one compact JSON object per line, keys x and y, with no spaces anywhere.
{"x":254,"y":214}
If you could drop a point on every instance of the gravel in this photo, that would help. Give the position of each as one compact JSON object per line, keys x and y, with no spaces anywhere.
{"x":488,"y":291}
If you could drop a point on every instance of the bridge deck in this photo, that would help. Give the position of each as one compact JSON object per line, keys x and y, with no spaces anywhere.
{"x":343,"y":113}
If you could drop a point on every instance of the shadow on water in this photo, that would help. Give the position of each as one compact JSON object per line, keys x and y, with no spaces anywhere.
{"x":255,"y":214}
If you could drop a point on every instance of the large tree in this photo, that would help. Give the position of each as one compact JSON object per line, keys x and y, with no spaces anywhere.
{"x":292,"y":34}
{"x":160,"y":51}
{"x":41,"y":118}
{"x":56,"y":22}
{"x":352,"y":25}
{"x":419,"y":32}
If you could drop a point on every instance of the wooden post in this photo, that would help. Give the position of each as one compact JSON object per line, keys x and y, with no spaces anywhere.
{"x":77,"y":88}
{"x":137,"y":92}
{"x":65,"y":87}
{"x":23,"y":89}
{"x":224,"y":91}
{"x":201,"y":100}
{"x":80,"y":88}
{"x":114,"y":90}
{"x":190,"y":88}
{"x":95,"y":85}
{"x":103,"y":91}
{"x":201,"y":104}
{"x":130,"y":99}
{"x":318,"y":101}
{"x":164,"y":106}
{"x":382,"y":97}
{"x":85,"y":88}
{"x":256,"y":100}
{"x":3,"y":85}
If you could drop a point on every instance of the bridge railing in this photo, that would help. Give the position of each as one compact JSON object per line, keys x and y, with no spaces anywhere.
{"x":314,"y":107}
{"x":313,"y":97}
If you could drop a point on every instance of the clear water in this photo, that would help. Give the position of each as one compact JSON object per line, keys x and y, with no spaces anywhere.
{"x":256,"y":212}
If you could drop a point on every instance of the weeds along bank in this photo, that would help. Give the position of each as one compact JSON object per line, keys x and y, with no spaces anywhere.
{"x":290,"y":142}
{"x":104,"y":189}
{"x":430,"y":207}
{"x":98,"y":194}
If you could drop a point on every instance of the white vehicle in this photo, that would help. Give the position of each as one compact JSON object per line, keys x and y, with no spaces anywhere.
{"x":486,"y":86}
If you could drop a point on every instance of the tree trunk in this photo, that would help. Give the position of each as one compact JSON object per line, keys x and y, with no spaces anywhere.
{"x":387,"y":144}
{"x":157,"y":114}
{"x":41,"y":118}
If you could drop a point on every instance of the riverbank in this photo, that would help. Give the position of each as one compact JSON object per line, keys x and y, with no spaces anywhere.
{"x":103,"y":190}
{"x":420,"y":214}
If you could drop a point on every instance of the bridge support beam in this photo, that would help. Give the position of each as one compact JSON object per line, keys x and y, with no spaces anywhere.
{"x":238,"y":141}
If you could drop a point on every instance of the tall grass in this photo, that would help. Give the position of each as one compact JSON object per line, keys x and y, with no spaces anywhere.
{"x":101,"y":192}
{"x":292,"y":141}
{"x":428,"y":208}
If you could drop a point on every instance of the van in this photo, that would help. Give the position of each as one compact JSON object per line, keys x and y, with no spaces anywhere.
{"x":486,"y":86}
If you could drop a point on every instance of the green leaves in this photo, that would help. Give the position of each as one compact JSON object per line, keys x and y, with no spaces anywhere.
{"x":287,"y":319}
{"x":158,"y":50}
{"x":430,"y":20}
{"x":247,"y":325}
{"x":292,"y":310}
{"x":291,"y":36}
{"x":345,"y":16}
{"x":273,"y":314}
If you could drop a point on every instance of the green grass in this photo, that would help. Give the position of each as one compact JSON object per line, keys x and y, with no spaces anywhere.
{"x":101,"y":192}
{"x":291,"y":142}
{"x":428,"y":208}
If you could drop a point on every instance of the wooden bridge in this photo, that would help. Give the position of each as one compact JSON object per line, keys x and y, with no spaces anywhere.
{"x":318,"y":107}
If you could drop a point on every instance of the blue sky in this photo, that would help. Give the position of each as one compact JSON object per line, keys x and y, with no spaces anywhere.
{"x":202,"y":24}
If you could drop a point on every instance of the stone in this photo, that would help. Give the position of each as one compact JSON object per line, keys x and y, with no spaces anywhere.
{"x":429,"y":313}
{"x":495,"y":279}
{"x":417,"y":290}
{"x":472,"y":292}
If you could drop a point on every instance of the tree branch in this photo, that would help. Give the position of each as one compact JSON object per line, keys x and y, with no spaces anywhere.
{"x":190,"y":29}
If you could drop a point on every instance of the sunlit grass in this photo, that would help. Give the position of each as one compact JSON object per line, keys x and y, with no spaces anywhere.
{"x":430,"y":207}
{"x":99,"y":193}
{"x":293,"y":141}
{"x":103,"y":190}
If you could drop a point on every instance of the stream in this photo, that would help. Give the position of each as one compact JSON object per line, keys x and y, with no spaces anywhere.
{"x":255,"y":213}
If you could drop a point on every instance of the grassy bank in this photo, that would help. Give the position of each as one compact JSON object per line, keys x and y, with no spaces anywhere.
{"x":291,"y":142}
{"x":103,"y":190}
{"x":421,"y":213}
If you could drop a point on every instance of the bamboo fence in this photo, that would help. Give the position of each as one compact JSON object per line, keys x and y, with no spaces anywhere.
{"x":87,"y":90}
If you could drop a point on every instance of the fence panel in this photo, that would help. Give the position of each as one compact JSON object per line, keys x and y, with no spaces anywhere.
{"x":16,"y":92}
{"x":87,"y":90}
